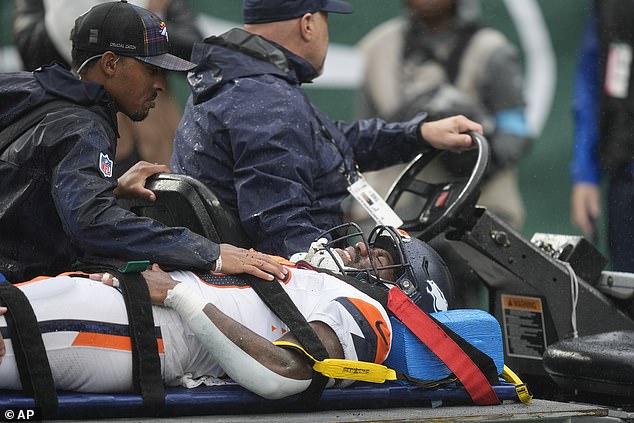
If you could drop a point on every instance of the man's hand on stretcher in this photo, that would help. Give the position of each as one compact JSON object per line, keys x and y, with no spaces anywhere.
{"x":237,"y":260}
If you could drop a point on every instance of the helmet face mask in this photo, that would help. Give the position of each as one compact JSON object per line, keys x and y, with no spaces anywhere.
{"x":415,"y":268}
{"x":341,"y":237}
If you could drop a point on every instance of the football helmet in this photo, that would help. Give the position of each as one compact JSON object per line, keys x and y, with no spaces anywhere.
{"x":415,"y":267}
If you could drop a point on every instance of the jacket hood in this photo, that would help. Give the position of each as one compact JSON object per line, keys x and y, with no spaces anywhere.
{"x":23,"y":91}
{"x":60,"y":83}
{"x":240,"y":54}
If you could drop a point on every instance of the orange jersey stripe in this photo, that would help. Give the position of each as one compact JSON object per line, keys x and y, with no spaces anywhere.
{"x":375,"y":319}
{"x":43,"y":278}
{"x":284,"y":262}
{"x":112,"y":342}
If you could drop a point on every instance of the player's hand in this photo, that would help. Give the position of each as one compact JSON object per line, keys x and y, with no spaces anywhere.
{"x":3,"y":348}
{"x":449,"y":133}
{"x":585,"y":207}
{"x":158,"y":282}
{"x":132,"y":183}
{"x":238,"y":260}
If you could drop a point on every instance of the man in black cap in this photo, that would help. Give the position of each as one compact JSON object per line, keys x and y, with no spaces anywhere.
{"x":58,"y":141}
{"x":252,"y":136}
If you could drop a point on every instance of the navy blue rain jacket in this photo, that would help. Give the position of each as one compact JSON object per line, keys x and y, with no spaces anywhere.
{"x":252,"y":136}
{"x":56,"y":201}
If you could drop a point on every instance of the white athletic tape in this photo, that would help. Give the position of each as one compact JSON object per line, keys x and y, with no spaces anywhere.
{"x":115,"y":281}
{"x":238,"y":365}
{"x":185,"y":300}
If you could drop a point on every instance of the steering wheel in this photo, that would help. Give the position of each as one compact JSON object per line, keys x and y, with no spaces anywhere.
{"x":437,"y":204}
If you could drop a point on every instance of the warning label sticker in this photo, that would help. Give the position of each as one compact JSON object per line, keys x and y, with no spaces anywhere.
{"x":524,"y":328}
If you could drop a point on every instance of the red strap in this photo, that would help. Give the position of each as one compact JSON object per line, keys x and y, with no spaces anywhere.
{"x":424,"y":327}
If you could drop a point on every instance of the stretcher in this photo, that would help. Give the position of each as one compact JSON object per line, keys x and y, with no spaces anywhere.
{"x":408,"y":354}
{"x":233,"y":399}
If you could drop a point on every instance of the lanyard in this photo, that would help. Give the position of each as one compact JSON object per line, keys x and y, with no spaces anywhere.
{"x":351,"y":175}
{"x":358,"y":187}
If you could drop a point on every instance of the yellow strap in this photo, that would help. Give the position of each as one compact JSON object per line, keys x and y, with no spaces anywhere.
{"x":354,"y":370}
{"x":337,"y":368}
{"x":523,"y":393}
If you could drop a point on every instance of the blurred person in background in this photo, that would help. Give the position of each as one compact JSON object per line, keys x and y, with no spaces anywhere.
{"x":438,"y":57}
{"x":604,"y":114}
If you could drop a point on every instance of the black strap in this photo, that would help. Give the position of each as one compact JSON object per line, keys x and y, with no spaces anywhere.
{"x":277,"y":299}
{"x":146,"y":363}
{"x":28,"y":347}
{"x":32,"y":117}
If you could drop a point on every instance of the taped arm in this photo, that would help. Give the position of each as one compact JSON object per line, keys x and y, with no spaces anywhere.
{"x":255,"y":363}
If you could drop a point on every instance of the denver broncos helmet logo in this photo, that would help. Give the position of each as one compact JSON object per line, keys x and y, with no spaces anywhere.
{"x":440,"y":302}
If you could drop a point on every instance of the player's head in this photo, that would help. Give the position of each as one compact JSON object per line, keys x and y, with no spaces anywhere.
{"x":393,"y":257}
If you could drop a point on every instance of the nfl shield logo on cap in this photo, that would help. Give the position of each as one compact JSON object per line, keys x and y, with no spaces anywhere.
{"x":105,"y":165}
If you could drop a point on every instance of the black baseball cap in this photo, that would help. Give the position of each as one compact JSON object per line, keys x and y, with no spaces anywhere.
{"x":262,"y":11}
{"x":127,"y":30}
